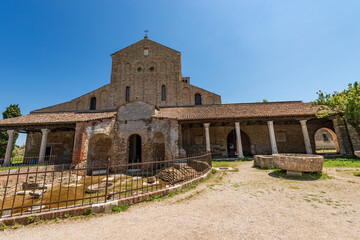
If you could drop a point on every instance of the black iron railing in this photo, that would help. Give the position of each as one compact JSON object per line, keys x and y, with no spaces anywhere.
{"x":26,"y":190}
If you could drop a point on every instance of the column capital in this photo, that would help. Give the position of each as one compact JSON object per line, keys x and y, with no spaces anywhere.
{"x":270,"y":122}
{"x":206,"y":125}
{"x":11,"y":132}
{"x":45,"y":130}
{"x":303,"y":122}
{"x":237,"y":124}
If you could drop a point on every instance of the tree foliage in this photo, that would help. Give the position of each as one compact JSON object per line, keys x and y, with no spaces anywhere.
{"x":345,"y":104}
{"x":12,"y":111}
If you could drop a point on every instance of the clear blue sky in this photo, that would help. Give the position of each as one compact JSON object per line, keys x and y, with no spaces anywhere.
{"x":54,"y":51}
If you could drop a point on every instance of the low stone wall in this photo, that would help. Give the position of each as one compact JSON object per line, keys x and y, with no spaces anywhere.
{"x":96,"y":208}
{"x":299,"y":162}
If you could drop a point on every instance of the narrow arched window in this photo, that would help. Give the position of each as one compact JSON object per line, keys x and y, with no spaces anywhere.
{"x":93,"y":103}
{"x":127,"y":94}
{"x":197,"y":99}
{"x":163,"y":93}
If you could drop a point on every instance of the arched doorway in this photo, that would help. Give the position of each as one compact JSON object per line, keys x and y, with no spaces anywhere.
{"x":159,"y":146}
{"x":134,"y":149}
{"x":232,"y":144}
{"x":326,"y":141}
{"x":99,"y":150}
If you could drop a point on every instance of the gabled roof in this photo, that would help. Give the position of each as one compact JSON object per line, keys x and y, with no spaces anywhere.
{"x":237,"y":111}
{"x":55,"y":118}
{"x":144,"y":40}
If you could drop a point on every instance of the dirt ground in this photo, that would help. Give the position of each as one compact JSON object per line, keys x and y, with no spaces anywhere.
{"x":248,"y":204}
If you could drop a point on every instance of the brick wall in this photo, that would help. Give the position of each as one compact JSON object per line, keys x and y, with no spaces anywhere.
{"x":145,"y":85}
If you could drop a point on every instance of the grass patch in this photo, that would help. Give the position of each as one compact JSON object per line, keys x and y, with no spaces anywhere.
{"x":342,"y":163}
{"x":305,"y":176}
{"x":120,"y":208}
{"x":326,"y":151}
{"x":219,"y":163}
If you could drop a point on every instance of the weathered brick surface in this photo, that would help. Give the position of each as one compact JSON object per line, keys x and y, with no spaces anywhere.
{"x":145,"y":85}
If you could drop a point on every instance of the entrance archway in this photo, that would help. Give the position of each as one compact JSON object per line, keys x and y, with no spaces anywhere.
{"x":232,"y":144}
{"x":326,"y":141}
{"x":159,"y":146}
{"x":134,"y":149}
{"x":99,"y":150}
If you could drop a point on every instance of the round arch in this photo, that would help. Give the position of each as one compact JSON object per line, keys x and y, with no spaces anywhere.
{"x":326,"y":141}
{"x":99,"y":150}
{"x":232,"y":144}
{"x":135,"y":149}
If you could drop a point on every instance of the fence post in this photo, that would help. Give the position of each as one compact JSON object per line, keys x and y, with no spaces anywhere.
{"x":173,"y":168}
{"x":107,"y":181}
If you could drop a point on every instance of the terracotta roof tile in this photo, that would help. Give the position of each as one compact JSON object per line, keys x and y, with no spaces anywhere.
{"x":238,"y":111}
{"x":55,"y":118}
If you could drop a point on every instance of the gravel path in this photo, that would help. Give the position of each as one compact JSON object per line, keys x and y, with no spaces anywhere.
{"x":248,"y":204}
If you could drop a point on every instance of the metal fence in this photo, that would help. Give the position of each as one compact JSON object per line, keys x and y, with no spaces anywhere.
{"x":33,"y":189}
{"x":30,"y":161}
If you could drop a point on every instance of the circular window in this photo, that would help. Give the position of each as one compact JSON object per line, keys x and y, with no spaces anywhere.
{"x":139,"y":69}
{"x":151,"y":69}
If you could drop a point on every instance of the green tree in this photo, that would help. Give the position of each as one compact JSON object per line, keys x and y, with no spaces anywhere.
{"x":12,"y":111}
{"x":345,"y":104}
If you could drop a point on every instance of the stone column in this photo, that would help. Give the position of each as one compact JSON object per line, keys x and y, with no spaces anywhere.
{"x":207,"y":136}
{"x":45,"y":133}
{"x":238,"y":140}
{"x":9,"y":148}
{"x":272,"y":137}
{"x":306,"y":136}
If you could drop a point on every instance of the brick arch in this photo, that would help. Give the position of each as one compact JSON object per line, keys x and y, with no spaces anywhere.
{"x":149,"y":65}
{"x":138,"y":65}
{"x":333,"y":136}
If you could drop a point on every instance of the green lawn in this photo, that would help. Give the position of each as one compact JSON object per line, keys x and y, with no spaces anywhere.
{"x":342,"y":163}
{"x":228,"y":162}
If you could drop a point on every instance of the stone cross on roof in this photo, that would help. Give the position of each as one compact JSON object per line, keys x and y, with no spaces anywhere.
{"x":146,"y":32}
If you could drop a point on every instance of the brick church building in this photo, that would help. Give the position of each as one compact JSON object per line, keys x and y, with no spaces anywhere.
{"x":149,"y":110}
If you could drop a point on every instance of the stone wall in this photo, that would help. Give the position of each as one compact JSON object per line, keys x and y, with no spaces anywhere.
{"x":61,"y":143}
{"x":133,"y":118}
